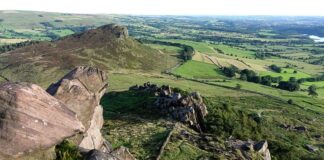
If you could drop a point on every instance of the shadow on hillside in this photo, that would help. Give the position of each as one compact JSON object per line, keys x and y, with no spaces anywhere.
{"x":132,"y":105}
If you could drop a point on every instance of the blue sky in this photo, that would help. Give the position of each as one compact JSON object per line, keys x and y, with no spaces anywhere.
{"x":172,"y":7}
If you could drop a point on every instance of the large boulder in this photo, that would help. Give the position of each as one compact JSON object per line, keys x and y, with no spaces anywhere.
{"x":32,"y":122}
{"x":81,"y":91}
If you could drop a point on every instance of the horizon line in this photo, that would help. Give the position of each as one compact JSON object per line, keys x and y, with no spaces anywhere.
{"x":190,"y":15}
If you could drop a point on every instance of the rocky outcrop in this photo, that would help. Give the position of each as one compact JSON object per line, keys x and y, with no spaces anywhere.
{"x":188,"y":109}
{"x":81,"y":91}
{"x":311,"y":148}
{"x":120,"y":32}
{"x":250,"y":149}
{"x":289,"y":127}
{"x":31,"y":121}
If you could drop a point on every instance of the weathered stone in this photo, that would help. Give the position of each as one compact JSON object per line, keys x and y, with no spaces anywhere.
{"x":81,"y":91}
{"x":93,"y":137}
{"x":32,"y":121}
{"x":311,"y":148}
{"x":248,"y":147}
{"x":261,"y":146}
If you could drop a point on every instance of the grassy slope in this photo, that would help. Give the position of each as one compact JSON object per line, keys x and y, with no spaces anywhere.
{"x":165,"y":48}
{"x":235,"y":51}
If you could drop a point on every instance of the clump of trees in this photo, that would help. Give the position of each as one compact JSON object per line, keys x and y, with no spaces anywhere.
{"x":312,"y":91}
{"x":187,"y":53}
{"x":251,"y":76}
{"x":275,"y":68}
{"x":10,"y":47}
{"x":311,"y":79}
{"x":289,"y":86}
{"x":230,"y":71}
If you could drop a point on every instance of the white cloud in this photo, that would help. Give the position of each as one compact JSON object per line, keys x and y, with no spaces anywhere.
{"x":172,"y":7}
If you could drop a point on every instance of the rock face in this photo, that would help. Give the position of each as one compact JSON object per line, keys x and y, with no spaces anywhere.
{"x":32,"y":120}
{"x":188,"y":109}
{"x":120,"y":32}
{"x":81,"y":91}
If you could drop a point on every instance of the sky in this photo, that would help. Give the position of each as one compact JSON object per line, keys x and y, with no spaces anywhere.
{"x":172,"y":7}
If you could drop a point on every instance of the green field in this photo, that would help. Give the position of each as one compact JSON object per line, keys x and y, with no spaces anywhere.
{"x":198,"y":70}
{"x":62,"y":32}
{"x":165,"y":48}
{"x":235,"y":51}
{"x":317,"y":84}
{"x":198,"y":46}
{"x":286,"y":73}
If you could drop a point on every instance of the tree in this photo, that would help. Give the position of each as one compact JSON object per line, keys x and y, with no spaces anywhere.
{"x":292,"y":79}
{"x":256,"y":79}
{"x":312,"y":91}
{"x":230,"y":71}
{"x":290,"y":101}
{"x":266,"y":80}
{"x":249,"y":74}
{"x":243,"y":77}
{"x":275,"y":68}
{"x":290,"y":86}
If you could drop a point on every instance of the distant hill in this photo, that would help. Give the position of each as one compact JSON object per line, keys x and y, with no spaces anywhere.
{"x":108,"y":47}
